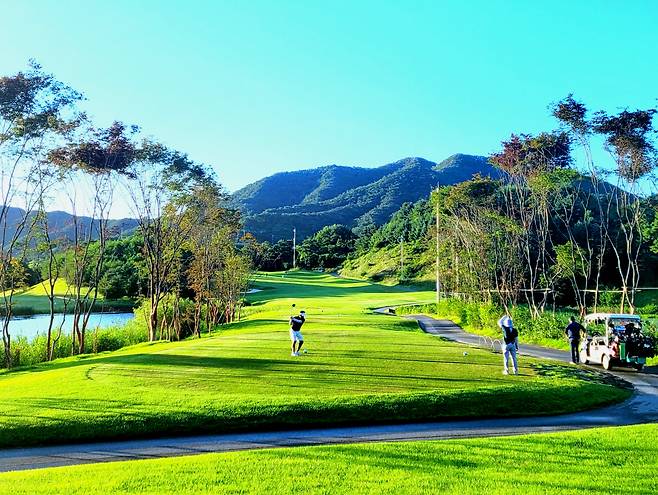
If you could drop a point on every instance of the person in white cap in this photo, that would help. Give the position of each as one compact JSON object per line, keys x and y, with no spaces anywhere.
{"x":510,"y":344}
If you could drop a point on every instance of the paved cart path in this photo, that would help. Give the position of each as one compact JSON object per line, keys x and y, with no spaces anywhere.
{"x":642,"y":407}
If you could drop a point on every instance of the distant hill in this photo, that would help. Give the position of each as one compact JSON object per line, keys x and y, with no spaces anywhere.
{"x":311,"y":199}
{"x":61,"y":224}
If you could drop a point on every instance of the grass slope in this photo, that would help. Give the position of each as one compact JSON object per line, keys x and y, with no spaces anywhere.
{"x":610,"y":460}
{"x":361,"y":368}
{"x":34,"y":300}
{"x":383,"y":265}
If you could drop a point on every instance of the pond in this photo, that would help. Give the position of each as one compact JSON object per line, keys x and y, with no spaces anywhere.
{"x":35,"y":325}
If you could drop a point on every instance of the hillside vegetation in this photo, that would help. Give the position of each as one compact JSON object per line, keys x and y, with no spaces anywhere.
{"x":311,"y":199}
{"x":401,"y":250}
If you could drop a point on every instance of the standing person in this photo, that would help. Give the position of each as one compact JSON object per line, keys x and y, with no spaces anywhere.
{"x":510,"y":345}
{"x":296,"y":336}
{"x":573,"y":331}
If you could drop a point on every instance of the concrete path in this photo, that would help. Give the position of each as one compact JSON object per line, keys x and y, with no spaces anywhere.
{"x":641,"y":408}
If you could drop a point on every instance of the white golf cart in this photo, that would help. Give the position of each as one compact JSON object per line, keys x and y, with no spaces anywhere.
{"x":615,"y":340}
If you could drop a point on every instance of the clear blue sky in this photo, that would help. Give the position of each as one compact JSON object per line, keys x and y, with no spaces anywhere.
{"x":256,"y":87}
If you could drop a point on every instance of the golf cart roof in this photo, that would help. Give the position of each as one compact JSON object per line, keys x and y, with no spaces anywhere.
{"x":604,"y":316}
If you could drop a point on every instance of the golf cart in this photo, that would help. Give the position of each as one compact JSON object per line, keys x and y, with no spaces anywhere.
{"x":615,"y":340}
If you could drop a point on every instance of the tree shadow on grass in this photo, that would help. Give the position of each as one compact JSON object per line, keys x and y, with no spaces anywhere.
{"x":167,"y":359}
{"x":572,"y":372}
{"x":376,"y":456}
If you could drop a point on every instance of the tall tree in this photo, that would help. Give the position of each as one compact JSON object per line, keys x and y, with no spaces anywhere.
{"x":96,"y":157}
{"x":478,"y":245}
{"x":158,"y":182}
{"x":35,"y":111}
{"x":526,"y":161}
{"x":630,"y":140}
{"x":211,"y":243}
{"x":47,"y":247}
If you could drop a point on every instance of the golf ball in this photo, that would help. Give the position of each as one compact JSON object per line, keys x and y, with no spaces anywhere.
{"x":465,"y":353}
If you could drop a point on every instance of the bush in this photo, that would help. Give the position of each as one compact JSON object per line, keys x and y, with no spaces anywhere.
{"x":29,"y":353}
{"x":609,"y":299}
{"x":113,"y":338}
{"x":649,"y":309}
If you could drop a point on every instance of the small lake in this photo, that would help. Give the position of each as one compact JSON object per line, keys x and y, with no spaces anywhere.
{"x":35,"y":325}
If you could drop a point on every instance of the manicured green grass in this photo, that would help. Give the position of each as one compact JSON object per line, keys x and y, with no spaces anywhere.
{"x":361,"y":368}
{"x":34,"y":300}
{"x":604,"y":460}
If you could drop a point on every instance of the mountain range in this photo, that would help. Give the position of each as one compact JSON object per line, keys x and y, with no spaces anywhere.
{"x":308,"y":200}
{"x":62,"y":227}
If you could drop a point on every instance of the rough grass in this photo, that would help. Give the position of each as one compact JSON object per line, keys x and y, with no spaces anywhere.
{"x":603,"y":460}
{"x":361,"y":368}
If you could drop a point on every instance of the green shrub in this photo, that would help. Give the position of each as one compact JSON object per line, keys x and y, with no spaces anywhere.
{"x":609,"y":299}
{"x":30,"y":352}
{"x":113,"y":338}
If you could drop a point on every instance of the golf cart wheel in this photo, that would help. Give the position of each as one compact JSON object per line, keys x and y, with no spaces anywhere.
{"x":584,"y":359}
{"x":638,"y":366}
{"x":606,"y":362}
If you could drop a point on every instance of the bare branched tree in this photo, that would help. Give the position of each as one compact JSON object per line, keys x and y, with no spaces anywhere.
{"x":34,"y":110}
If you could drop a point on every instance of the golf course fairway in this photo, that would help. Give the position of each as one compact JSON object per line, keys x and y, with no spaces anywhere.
{"x":361,"y":368}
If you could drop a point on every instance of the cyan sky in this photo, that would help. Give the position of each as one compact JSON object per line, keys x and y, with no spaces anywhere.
{"x":257,"y":87}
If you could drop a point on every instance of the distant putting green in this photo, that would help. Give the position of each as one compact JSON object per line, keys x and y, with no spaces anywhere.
{"x":361,"y":368}
{"x":602,"y":460}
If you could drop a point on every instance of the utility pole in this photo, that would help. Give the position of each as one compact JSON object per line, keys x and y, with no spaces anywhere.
{"x":294,"y":247}
{"x":401,"y":257}
{"x":438,"y":282}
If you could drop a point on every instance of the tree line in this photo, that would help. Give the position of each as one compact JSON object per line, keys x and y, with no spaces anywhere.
{"x":186,"y":232}
{"x":573,"y":216}
{"x":562,"y":225}
{"x":549,"y":227}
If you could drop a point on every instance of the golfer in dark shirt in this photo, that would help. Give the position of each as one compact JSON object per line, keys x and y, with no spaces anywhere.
{"x":573,"y":333}
{"x":296,"y":336}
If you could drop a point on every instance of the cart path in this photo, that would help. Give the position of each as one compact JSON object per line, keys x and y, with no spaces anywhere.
{"x":642,"y":407}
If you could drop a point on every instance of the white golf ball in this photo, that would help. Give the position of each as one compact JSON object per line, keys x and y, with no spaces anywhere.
{"x":465,"y":353}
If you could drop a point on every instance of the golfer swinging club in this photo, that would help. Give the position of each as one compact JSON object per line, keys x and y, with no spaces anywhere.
{"x":296,"y":336}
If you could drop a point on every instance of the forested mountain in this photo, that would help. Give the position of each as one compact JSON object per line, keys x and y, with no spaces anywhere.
{"x":311,"y":199}
{"x":61,"y":224}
